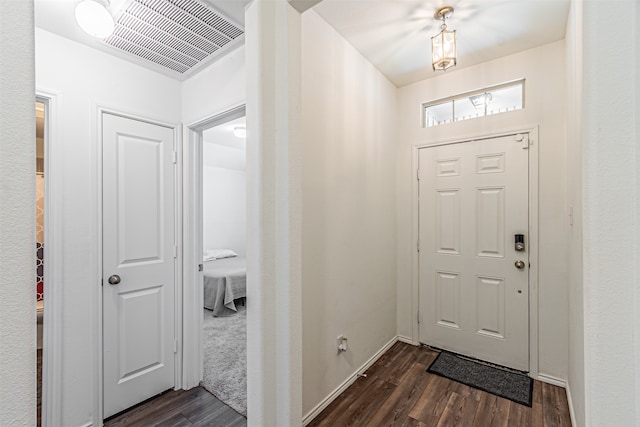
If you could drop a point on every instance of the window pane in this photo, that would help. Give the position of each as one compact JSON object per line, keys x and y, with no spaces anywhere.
{"x":505,"y":99}
{"x":474,"y":104}
{"x":438,"y":114}
{"x":466,"y":110}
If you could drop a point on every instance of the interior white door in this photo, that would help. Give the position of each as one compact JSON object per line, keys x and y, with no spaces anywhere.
{"x":473,"y":200}
{"x":138,"y":261}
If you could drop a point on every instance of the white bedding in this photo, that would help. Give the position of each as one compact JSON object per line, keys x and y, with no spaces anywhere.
{"x":224,"y":281}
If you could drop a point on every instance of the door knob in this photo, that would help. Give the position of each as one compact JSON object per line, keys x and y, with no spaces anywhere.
{"x":519,"y":264}
{"x":114,"y":279}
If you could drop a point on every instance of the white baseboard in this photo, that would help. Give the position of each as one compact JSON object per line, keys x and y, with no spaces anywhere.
{"x":552,"y":380}
{"x":350,"y":380}
{"x":572,"y":414}
{"x":404,"y":339}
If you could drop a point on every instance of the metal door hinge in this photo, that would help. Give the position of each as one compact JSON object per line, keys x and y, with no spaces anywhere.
{"x":526,"y":141}
{"x":418,"y":317}
{"x":418,"y":245}
{"x":175,"y":346}
{"x":418,"y":174}
{"x":175,"y":251}
{"x":175,"y":157}
{"x":200,"y":267}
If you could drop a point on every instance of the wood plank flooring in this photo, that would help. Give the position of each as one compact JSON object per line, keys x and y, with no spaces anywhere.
{"x":39,"y":386}
{"x":195,"y":407}
{"x":398,"y":391}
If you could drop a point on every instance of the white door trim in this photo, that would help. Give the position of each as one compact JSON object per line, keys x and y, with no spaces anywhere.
{"x":192,"y":241}
{"x":52,"y":334}
{"x":533,"y":132}
{"x":96,"y":251}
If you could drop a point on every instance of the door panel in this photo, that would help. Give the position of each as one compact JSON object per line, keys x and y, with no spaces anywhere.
{"x":448,"y":222}
{"x":140,"y":199}
{"x":448,"y":303}
{"x":138,"y":247}
{"x":490,"y":222}
{"x":473,"y":198}
{"x":490,"y":306}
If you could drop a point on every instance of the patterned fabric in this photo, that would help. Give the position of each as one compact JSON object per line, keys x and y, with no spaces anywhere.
{"x":39,"y":236}
{"x":39,"y":272}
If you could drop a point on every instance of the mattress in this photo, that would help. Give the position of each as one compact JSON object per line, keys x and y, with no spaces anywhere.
{"x":225,"y":280}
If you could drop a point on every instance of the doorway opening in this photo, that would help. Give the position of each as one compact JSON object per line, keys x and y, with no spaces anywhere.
{"x":224,"y":264}
{"x":214,"y":337}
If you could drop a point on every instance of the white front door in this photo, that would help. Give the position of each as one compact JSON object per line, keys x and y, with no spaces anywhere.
{"x":138,"y":261}
{"x":473,"y":200}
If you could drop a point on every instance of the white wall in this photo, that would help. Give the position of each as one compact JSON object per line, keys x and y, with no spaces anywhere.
{"x":609,"y":135}
{"x":575,"y":356}
{"x":224,"y":198}
{"x":274,"y":314}
{"x":17,"y":216}
{"x":84,"y":79}
{"x":348,"y":197}
{"x":543,"y":69}
{"x":215,"y":89}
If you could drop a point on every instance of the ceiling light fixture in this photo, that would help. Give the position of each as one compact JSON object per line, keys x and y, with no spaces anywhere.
{"x":94,"y":18}
{"x":240,"y":131}
{"x":481,"y":99}
{"x":443,"y":45}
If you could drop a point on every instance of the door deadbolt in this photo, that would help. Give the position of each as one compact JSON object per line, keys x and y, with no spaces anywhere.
{"x":519,"y":264}
{"x":114,"y":279}
{"x":519,"y":242}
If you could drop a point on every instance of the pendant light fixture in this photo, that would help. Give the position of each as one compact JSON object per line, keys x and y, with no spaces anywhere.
{"x":443,"y":45}
{"x":94,"y":18}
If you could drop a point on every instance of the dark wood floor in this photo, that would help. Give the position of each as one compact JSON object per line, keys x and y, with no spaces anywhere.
{"x":39,"y":386}
{"x":399,"y":392}
{"x":195,"y":407}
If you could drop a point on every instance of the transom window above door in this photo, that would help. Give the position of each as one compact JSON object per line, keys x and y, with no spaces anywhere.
{"x":471,"y":105}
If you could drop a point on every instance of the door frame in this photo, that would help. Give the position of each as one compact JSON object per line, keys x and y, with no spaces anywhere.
{"x":533,"y":132}
{"x":97,"y":358}
{"x":52,"y":338}
{"x":192,"y":240}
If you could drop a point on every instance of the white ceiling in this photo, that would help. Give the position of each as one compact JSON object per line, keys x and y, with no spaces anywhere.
{"x":223,"y":135}
{"x":222,"y":149}
{"x":57,"y":16}
{"x":395,"y":35}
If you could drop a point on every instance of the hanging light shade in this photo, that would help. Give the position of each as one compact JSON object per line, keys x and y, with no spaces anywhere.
{"x":443,"y":45}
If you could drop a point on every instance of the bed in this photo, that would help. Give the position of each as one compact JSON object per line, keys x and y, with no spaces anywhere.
{"x":225,"y":280}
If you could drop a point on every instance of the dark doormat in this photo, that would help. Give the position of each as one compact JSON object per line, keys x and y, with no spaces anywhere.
{"x":514,"y":386}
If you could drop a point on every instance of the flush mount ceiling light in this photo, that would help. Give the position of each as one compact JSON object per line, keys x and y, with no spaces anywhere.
{"x":94,"y":18}
{"x":240,"y":131}
{"x":443,"y":45}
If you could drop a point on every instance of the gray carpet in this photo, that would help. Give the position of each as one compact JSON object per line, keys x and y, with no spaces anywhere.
{"x":225,"y":358}
{"x":510,"y":385}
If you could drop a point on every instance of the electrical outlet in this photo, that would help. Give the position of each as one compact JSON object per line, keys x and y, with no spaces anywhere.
{"x":342,"y":343}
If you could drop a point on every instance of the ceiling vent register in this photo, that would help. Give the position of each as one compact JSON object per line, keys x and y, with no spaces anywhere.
{"x":176,"y":34}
